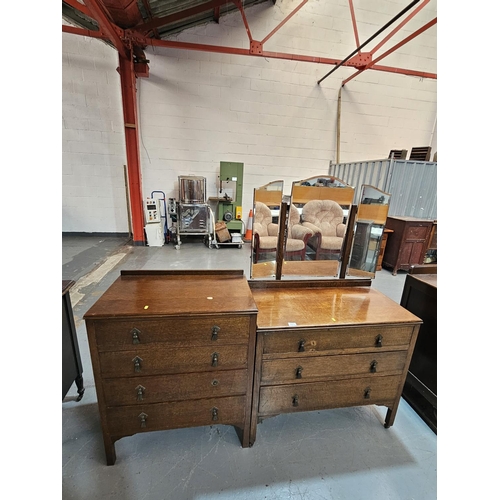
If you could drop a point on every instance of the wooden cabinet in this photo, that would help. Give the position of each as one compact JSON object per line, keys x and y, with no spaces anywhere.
{"x":431,"y":253}
{"x":72,"y":370}
{"x":420,"y":390}
{"x":173,"y":349}
{"x":322,"y":345}
{"x":383,"y":244}
{"x":407,"y":244}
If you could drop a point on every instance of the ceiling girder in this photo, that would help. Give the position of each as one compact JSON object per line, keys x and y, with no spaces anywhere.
{"x":136,"y":38}
{"x":106,"y":26}
{"x":179,"y":16}
{"x":125,"y":13}
{"x":366,"y":42}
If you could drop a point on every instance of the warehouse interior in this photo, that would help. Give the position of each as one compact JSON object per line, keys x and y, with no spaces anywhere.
{"x":155,"y":92}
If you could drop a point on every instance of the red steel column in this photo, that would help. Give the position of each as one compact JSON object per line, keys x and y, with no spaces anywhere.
{"x":129,"y":100}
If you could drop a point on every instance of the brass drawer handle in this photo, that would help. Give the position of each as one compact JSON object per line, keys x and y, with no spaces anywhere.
{"x":140,"y":392}
{"x":298,"y":372}
{"x":215,"y":414}
{"x":137,"y":364}
{"x":301,"y":345}
{"x":367,"y":392}
{"x":143,"y":417}
{"x":373,"y":366}
{"x":135,"y":336}
{"x":378,"y":340}
{"x":295,"y":400}
{"x":215,"y":359}
{"x":215,"y":332}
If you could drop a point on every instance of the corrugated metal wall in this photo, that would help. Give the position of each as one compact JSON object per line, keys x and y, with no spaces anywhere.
{"x":411,"y":184}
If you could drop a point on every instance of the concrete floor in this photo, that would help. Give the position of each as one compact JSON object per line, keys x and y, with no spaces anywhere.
{"x":330,"y":454}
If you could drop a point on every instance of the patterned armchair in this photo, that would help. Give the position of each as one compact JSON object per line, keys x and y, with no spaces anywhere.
{"x":298,"y":235}
{"x":265,"y":231}
{"x":325,"y":218}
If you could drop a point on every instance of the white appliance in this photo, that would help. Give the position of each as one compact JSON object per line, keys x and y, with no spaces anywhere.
{"x":154,"y":225}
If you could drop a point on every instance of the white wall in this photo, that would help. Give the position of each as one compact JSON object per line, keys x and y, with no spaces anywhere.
{"x":93,"y":138}
{"x":197,"y":108}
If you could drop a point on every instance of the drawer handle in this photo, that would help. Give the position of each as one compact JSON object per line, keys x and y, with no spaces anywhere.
{"x":215,"y":332}
{"x":215,"y":359}
{"x":215,"y":414}
{"x":301,"y":345}
{"x":367,"y":392}
{"x":373,"y":366}
{"x":137,"y":364}
{"x":215,"y":382}
{"x":378,"y":341}
{"x":143,"y":417}
{"x":140,"y":392}
{"x":135,"y":336}
{"x":295,"y":400}
{"x":298,"y":373}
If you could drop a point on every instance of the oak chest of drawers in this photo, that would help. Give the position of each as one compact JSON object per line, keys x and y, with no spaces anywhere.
{"x":321,"y":345}
{"x":173,"y":349}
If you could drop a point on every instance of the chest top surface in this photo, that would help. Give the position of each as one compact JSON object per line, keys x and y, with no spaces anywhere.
{"x":308,"y":307}
{"x":409,"y":218}
{"x":165,"y":295}
{"x":429,"y":279}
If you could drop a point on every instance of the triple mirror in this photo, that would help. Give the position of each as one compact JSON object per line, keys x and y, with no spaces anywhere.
{"x":317,"y":232}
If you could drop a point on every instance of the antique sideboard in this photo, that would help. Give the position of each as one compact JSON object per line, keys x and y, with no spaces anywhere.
{"x":175,"y":349}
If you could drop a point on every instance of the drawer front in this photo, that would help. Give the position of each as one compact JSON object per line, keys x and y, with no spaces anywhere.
{"x":297,"y":370}
{"x":303,"y":341}
{"x":158,"y":389}
{"x":416,"y":233}
{"x":323,"y":395}
{"x":127,"y":334}
{"x":164,"y":360}
{"x":128,"y":420}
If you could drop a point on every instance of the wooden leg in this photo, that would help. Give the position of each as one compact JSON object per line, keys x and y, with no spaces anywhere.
{"x":243,"y":434}
{"x":79,"y":385}
{"x":109,"y":448}
{"x":389,"y":418}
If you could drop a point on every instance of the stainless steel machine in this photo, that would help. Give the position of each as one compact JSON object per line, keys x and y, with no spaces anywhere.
{"x":191,"y":213}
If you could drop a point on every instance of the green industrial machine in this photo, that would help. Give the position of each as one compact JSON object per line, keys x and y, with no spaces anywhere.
{"x":230,"y":195}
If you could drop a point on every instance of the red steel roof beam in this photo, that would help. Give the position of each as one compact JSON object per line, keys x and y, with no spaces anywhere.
{"x":245,"y":22}
{"x":397,"y":28}
{"x":124,"y":13}
{"x":283,"y":22}
{"x":221,"y":49}
{"x":354,"y":25}
{"x":78,"y":6}
{"x":150,"y":15}
{"x":84,"y":32}
{"x":179,"y":16}
{"x":357,"y":49}
{"x":107,"y":27}
{"x":391,"y":50}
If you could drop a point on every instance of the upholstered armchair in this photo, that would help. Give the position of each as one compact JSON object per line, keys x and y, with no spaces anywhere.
{"x":265,"y":231}
{"x":297,"y":237}
{"x":325,"y":218}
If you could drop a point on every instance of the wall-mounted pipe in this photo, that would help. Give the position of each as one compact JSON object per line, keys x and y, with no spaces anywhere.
{"x":339,"y":105}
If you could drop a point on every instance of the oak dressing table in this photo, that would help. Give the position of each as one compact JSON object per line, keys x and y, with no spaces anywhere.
{"x":328,"y":344}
